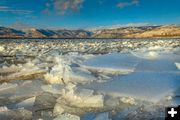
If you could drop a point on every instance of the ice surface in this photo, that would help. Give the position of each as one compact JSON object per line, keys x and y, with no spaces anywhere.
{"x":117,"y":63}
{"x":149,"y":86}
{"x":158,"y":65}
{"x":146,"y":55}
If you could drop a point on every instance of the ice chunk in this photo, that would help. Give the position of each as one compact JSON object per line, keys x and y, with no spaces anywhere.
{"x":25,"y":74}
{"x":177,"y":65}
{"x":7,"y":86}
{"x":3,"y":109}
{"x":25,"y":89}
{"x":44,"y":105}
{"x":67,"y":116}
{"x":62,"y":74}
{"x":81,"y":75}
{"x":59,"y":74}
{"x":102,"y":116}
{"x":128,"y":100}
{"x":20,"y":114}
{"x":11,"y":69}
{"x":27,"y":104}
{"x":58,"y":110}
{"x":83,"y":97}
{"x":54,"y":89}
{"x":1,"y":48}
{"x":88,"y":116}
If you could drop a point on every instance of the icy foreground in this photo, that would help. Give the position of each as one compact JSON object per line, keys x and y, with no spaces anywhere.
{"x":88,"y":80}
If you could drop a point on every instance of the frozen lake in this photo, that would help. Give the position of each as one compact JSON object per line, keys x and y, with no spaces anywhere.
{"x":88,"y":79}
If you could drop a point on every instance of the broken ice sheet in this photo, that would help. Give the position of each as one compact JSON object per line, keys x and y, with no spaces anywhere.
{"x":114,"y":62}
{"x":27,"y":88}
{"x":7,"y":86}
{"x":27,"y":104}
{"x":82,"y":98}
{"x":20,"y":114}
{"x":148,"y":86}
{"x":54,"y":88}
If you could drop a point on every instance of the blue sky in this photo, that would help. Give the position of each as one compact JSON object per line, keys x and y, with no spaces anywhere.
{"x":75,"y":14}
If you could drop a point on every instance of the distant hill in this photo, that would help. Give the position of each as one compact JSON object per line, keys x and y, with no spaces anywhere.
{"x":123,"y":32}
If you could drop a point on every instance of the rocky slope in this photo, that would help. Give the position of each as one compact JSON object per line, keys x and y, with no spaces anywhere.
{"x":123,"y":32}
{"x":9,"y":32}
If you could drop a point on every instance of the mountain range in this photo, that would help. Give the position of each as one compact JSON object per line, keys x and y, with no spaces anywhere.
{"x":170,"y":31}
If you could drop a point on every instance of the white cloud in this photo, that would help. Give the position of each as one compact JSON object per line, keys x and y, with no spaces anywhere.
{"x":127,"y":4}
{"x":62,"y":6}
{"x":15,"y":11}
